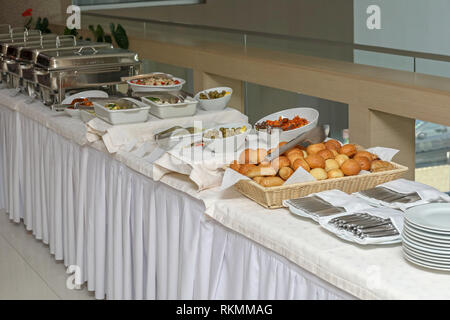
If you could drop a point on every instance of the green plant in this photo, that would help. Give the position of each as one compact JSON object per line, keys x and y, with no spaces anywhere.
{"x":119,"y":34}
{"x":42,"y":25}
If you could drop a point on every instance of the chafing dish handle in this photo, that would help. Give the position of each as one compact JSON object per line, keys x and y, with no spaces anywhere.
{"x":41,"y":72}
{"x":9,"y":61}
{"x":84,"y":48}
{"x":58,"y":40}
{"x":25,"y":35}
{"x":24,"y":66}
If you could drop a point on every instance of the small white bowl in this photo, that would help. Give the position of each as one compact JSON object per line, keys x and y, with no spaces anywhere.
{"x":214,"y":104}
{"x":230,"y":144}
{"x":312,"y":115}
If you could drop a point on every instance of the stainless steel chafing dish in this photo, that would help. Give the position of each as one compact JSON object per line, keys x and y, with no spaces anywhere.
{"x":11,"y":60}
{"x":28,"y":58}
{"x":15,"y":37}
{"x":87,"y":67}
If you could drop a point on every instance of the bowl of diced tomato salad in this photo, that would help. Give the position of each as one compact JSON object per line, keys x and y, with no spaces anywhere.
{"x":289,"y":123}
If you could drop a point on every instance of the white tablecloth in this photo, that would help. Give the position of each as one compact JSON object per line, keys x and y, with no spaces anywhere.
{"x":133,"y":238}
{"x":46,"y":150}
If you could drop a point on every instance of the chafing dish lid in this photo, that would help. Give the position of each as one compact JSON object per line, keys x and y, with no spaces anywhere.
{"x":85,"y":57}
{"x":14,"y":49}
{"x":31,"y":54}
{"x":5,"y":44}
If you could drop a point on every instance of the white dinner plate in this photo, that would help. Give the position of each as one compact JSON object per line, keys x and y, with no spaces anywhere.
{"x":85,"y":94}
{"x":425,"y":248}
{"x":433,"y":216}
{"x":424,"y":237}
{"x":418,"y":241}
{"x":428,"y":234}
{"x":426,"y":264}
{"x":426,"y":256}
{"x":434,"y":231}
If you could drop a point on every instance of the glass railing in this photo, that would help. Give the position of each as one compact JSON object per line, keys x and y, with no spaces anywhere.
{"x":432,"y":140}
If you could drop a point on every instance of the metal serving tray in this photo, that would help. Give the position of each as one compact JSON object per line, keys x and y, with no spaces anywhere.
{"x":28,"y":57}
{"x":87,"y":67}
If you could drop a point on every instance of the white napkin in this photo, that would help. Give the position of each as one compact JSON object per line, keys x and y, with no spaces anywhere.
{"x":425,"y":192}
{"x":395,"y":216}
{"x":204,"y":168}
{"x":336,"y":198}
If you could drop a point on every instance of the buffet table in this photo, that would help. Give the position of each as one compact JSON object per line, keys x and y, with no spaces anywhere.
{"x":135,"y":238}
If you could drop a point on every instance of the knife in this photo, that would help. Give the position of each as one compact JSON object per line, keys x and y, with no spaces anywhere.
{"x":315,"y":135}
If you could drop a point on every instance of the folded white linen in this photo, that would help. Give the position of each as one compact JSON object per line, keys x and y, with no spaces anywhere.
{"x":426,"y":193}
{"x":128,"y":135}
{"x":336,"y":198}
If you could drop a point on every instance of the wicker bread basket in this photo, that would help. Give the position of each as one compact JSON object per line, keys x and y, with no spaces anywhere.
{"x":273,"y":197}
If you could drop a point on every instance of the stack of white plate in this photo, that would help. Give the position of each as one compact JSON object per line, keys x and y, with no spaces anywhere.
{"x":426,"y":236}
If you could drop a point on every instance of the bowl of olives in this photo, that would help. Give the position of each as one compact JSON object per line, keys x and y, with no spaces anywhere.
{"x":214,"y":99}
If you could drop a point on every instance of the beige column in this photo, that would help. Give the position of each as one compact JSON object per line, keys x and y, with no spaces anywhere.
{"x":376,"y":128}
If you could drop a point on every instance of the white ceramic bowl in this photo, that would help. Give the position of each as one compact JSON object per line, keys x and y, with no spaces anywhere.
{"x":312,"y":115}
{"x":214,"y":104}
{"x":147,"y":88}
{"x":85,"y":94}
{"x":230,"y":144}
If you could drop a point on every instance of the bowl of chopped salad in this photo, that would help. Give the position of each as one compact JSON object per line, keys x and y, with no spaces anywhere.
{"x":160,"y":82}
{"x":289,"y":123}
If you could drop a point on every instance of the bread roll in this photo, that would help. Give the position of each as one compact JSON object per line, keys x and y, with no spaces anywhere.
{"x":363,"y":161}
{"x":363,"y":153}
{"x":244,"y":168}
{"x":351,"y":167}
{"x":271,"y":182}
{"x":332,"y":145}
{"x":280,"y":162}
{"x":331,"y":164}
{"x":319,"y":173}
{"x":235,"y":166}
{"x":261,"y":154}
{"x":261,"y":171}
{"x":248,"y":156}
{"x":335,"y":173}
{"x":348,"y":149}
{"x":258,"y":179}
{"x":285,"y":173}
{"x":380,"y":165}
{"x":341,"y":159}
{"x":293,"y":150}
{"x":294,"y":156}
{"x":315,"y":148}
{"x":300,"y":162}
{"x":335,"y":153}
{"x":315,"y":161}
{"x":326,"y":154}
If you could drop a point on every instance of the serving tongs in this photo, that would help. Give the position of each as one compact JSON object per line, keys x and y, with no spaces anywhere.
{"x":315,"y":135}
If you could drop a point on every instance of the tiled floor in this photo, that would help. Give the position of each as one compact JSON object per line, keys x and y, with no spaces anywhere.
{"x":28,"y":270}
